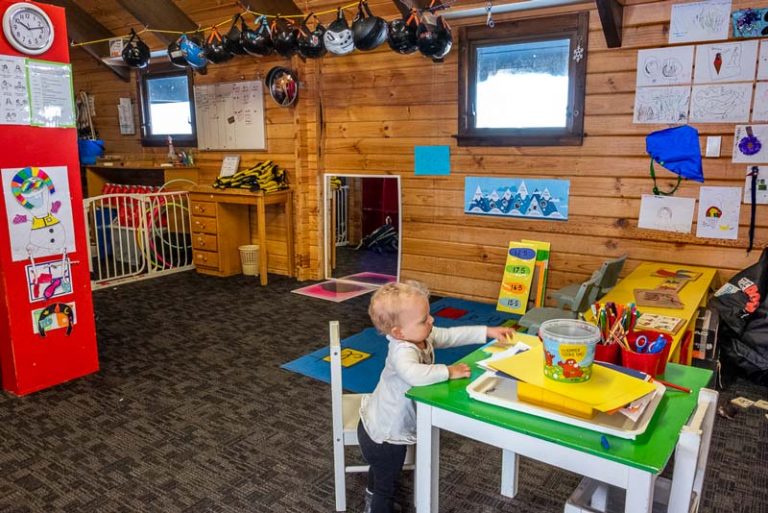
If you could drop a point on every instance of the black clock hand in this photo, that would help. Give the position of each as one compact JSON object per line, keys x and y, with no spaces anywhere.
{"x":36,"y":28}
{"x":26,"y":27}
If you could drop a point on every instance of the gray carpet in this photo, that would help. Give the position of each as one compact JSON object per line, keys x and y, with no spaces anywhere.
{"x":191,"y":413}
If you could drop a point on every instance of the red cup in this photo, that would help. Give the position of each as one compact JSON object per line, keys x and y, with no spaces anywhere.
{"x":650,"y":363}
{"x":607,"y":353}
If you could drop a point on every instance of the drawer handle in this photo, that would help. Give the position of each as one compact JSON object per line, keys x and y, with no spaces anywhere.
{"x":201,"y":242}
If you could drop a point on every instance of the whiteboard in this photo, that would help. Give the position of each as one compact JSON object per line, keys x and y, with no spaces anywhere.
{"x":230,"y":116}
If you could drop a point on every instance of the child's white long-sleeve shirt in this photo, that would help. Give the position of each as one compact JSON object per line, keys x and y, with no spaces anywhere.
{"x":387,"y":414}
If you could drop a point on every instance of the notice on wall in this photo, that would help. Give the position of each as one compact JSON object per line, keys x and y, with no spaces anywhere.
{"x":699,"y":21}
{"x":14,"y":101}
{"x":50,"y":94}
{"x":666,"y":213}
{"x":125,"y":115}
{"x":725,"y":62}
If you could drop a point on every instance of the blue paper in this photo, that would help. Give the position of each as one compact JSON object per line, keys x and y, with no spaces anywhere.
{"x":535,"y":198}
{"x":432,"y":160}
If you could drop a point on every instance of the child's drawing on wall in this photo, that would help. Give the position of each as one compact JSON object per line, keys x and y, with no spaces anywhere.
{"x":39,"y":211}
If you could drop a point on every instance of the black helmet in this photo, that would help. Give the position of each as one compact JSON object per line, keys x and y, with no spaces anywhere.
{"x":401,"y":34}
{"x":338,"y":36}
{"x":369,"y":31}
{"x":310,"y":42}
{"x":214,"y":48}
{"x":175,"y":55}
{"x":284,"y":36}
{"x":136,"y":52}
{"x":283,"y":85}
{"x":232,"y":38}
{"x":256,"y":41}
{"x":435,"y":41}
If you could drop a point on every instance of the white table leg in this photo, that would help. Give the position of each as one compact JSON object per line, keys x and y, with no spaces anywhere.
{"x":427,"y":460}
{"x":600,"y":497}
{"x":510,"y":464}
{"x":639,"y":492}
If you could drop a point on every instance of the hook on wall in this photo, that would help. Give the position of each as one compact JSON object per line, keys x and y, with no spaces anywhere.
{"x":489,"y":16}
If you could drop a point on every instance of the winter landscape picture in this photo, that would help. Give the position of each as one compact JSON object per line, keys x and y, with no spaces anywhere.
{"x":517,"y":197}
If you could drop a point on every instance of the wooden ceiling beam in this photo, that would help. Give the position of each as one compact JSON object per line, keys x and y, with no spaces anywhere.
{"x":160,"y":14}
{"x":82,"y":27}
{"x":612,"y":18}
{"x":405,"y":6}
{"x":284,"y":7}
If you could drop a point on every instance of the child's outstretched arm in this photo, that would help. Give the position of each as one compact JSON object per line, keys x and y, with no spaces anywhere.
{"x":463,"y":335}
{"x":499,"y":332}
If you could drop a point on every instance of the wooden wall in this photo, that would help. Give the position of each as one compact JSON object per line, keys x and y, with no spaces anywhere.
{"x":364,"y":113}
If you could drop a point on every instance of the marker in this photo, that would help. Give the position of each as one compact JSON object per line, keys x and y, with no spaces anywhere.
{"x":604,"y":442}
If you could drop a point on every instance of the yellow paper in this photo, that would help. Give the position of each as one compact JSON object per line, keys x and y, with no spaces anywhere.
{"x":350,"y":357}
{"x":605,"y":391}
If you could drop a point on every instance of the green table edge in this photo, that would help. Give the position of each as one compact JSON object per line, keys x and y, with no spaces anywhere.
{"x":650,"y":451}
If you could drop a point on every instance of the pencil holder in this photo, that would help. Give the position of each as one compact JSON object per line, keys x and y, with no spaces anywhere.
{"x":609,"y":353}
{"x":650,"y":363}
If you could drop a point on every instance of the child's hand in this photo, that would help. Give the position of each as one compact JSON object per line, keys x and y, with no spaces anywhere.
{"x":458,"y":371}
{"x":499,"y":332}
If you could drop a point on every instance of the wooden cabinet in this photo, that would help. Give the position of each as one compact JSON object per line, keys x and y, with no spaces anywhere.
{"x":221,"y":224}
{"x":133,"y":173}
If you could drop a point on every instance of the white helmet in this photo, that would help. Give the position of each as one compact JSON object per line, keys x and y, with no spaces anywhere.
{"x":338,"y":37}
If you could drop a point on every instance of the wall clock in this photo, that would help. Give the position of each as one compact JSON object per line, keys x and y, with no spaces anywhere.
{"x":28,"y":28}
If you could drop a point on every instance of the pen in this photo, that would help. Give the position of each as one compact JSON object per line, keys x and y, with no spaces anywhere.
{"x":604,"y":442}
{"x":672,"y":385}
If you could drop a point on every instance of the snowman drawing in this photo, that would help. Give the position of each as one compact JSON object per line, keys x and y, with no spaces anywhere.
{"x":33,"y":188}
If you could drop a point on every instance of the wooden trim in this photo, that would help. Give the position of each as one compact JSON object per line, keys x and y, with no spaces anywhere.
{"x":159,"y":71}
{"x":159,"y":13}
{"x":611,"y":17}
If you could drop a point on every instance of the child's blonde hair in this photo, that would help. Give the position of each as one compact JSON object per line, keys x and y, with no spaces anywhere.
{"x":386,"y":303}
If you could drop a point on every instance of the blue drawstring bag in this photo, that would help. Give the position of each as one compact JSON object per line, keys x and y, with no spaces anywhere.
{"x":677,"y":149}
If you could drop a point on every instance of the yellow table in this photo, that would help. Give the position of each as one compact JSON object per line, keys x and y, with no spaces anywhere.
{"x":693,"y":296}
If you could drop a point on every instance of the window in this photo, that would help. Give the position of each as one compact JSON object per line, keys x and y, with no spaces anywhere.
{"x":522,"y":83}
{"x":167,"y":108}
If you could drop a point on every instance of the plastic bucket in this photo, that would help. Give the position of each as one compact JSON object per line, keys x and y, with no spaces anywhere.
{"x":249,"y":258}
{"x":650,"y":363}
{"x":569,"y":349}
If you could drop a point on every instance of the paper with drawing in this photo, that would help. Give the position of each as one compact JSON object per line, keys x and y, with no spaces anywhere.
{"x":699,"y":21}
{"x":666,"y":213}
{"x":662,"y":104}
{"x":760,"y":103}
{"x":665,"y":66}
{"x":719,"y":212}
{"x":721,"y":103}
{"x":750,"y":144}
{"x":726,"y":62}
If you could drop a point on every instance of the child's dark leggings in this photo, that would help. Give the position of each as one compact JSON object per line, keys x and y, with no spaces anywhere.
{"x":386,"y":464}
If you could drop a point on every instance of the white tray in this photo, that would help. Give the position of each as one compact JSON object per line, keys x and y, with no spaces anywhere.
{"x":500,"y":391}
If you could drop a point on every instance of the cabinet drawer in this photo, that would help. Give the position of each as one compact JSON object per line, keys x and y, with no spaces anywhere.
{"x":204,"y":208}
{"x":206,"y":259}
{"x":203,"y":224}
{"x":204,"y":241}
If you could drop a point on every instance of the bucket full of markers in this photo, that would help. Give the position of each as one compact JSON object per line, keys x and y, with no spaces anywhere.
{"x":569,"y":349}
{"x":647,"y":352}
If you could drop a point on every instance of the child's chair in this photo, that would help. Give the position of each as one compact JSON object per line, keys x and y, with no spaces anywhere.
{"x":680,"y":495}
{"x":606,"y":276}
{"x":534,"y":317}
{"x":346,"y":415}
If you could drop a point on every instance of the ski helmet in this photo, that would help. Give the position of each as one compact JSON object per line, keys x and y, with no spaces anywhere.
{"x":136,"y":52}
{"x":175,"y":55}
{"x":369,"y":31}
{"x":214,"y":48}
{"x":193,"y":51}
{"x":435,"y":41}
{"x":401,"y":34}
{"x":338,"y":36}
{"x":310,"y":42}
{"x":256,"y":41}
{"x":284,"y":36}
{"x":232,"y":37}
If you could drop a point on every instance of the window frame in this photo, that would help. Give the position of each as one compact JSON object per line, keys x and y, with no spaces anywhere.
{"x":164,"y":71}
{"x":574,"y":27}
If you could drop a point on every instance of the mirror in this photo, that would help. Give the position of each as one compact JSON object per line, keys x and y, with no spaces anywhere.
{"x":283,"y":85}
{"x":362,"y":228}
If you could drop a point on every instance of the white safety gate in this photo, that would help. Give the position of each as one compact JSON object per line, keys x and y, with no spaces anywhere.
{"x":137,"y":236}
{"x":341,"y":200}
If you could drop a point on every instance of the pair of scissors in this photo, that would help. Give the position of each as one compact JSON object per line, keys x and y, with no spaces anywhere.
{"x":642,"y":345}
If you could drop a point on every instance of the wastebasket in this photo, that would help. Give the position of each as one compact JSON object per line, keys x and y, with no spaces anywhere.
{"x":249,"y":257}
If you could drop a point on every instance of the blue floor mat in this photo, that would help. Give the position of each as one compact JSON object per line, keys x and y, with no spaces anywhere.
{"x":362,"y":377}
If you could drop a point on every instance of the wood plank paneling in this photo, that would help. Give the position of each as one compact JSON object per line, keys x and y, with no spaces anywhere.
{"x":364,"y":113}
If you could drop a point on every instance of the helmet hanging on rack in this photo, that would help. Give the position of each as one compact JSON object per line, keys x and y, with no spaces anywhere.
{"x":232,"y":37}
{"x":338,"y":37}
{"x":257,"y":41}
{"x":175,"y":55}
{"x":284,"y":36}
{"x":369,"y":31}
{"x":193,"y":51}
{"x":136,"y":52}
{"x":401,"y":34}
{"x":310,"y":41}
{"x":434,"y":40}
{"x":214,"y":48}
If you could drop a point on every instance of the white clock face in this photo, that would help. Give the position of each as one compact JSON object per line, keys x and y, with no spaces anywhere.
{"x":28,"y":28}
